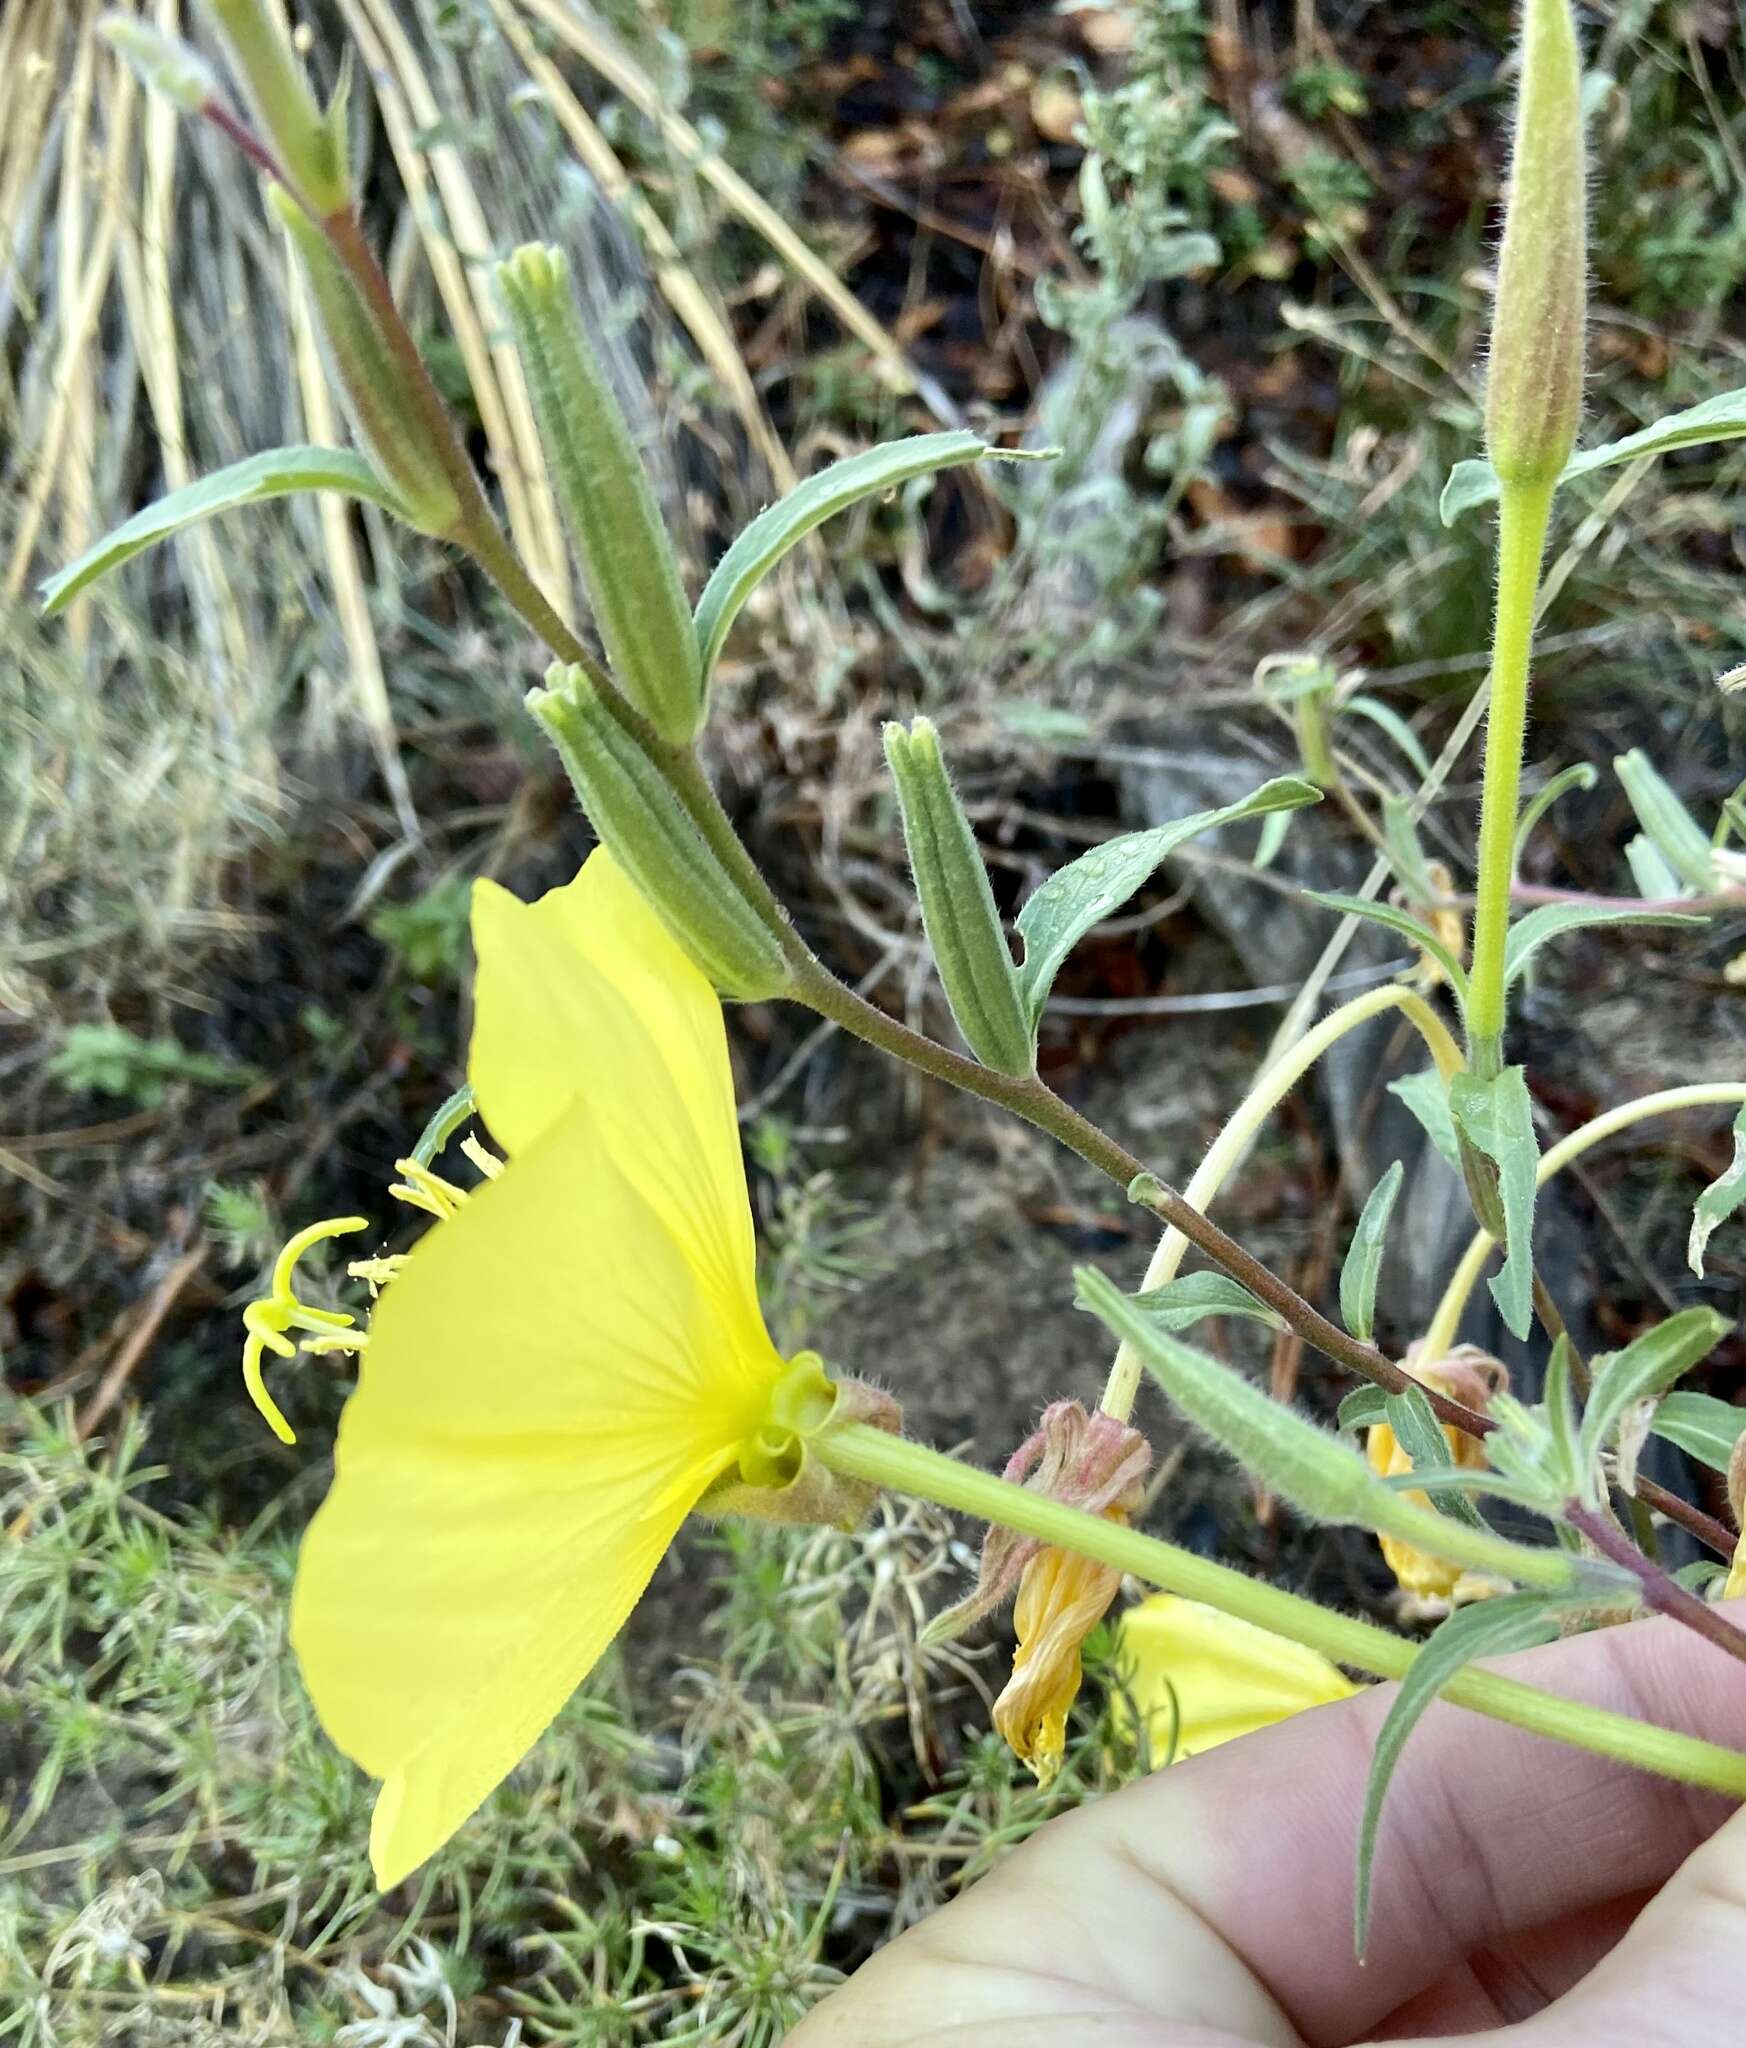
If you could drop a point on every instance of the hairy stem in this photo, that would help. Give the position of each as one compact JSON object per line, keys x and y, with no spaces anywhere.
{"x":866,"y":1453}
{"x":1231,"y":1145}
{"x":1664,"y":1594}
{"x":1523,"y":513}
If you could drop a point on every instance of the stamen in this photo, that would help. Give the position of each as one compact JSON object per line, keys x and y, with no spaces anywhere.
{"x":422,"y":1189}
{"x":267,"y":1321}
{"x":488,"y":1163}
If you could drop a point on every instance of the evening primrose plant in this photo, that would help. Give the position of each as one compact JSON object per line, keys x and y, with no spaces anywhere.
{"x":571,"y":1360}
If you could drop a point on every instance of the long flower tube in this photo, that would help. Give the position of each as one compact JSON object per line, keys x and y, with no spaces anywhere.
{"x":871,"y":1455}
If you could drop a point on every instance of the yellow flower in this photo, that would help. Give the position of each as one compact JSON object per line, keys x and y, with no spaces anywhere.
{"x":1061,"y":1599}
{"x":1432,"y":1584}
{"x":562,"y":1368}
{"x":1198,"y":1677}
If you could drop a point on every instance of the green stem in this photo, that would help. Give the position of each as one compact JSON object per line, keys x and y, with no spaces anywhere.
{"x":1523,"y":513}
{"x":862,"y":1452}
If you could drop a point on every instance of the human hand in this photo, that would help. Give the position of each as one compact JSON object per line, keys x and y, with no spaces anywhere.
{"x":1526,"y":1894}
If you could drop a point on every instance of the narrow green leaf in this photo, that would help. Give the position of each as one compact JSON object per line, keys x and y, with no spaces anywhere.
{"x":1363,"y":1408}
{"x":275,"y":474}
{"x":1583,"y":775}
{"x":1561,"y":1417}
{"x":1702,"y":1426}
{"x":1405,"y":924}
{"x":782,"y":526}
{"x":1390,"y":721}
{"x":1400,"y":835}
{"x":1497,"y":1118}
{"x":1420,"y":1435}
{"x":1719,"y":1200}
{"x":1088,"y":889}
{"x":1676,"y":834}
{"x":1455,"y":1480}
{"x":1552,"y":920}
{"x":1181,"y":1303}
{"x":1647,"y":1367}
{"x":1274,"y":827}
{"x":1722,"y":418}
{"x":1489,"y":1628}
{"x":1358,"y":1276}
{"x":1426,"y":1094}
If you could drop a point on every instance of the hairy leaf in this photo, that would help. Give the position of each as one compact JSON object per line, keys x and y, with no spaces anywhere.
{"x":782,"y":526}
{"x":1426,"y":1094}
{"x":1646,"y":1368}
{"x":1551,"y":920}
{"x":1088,"y":889}
{"x":1489,"y":1628}
{"x":1719,"y":1200}
{"x":1400,"y":921}
{"x":276,"y":474}
{"x":1181,"y":1303}
{"x":1359,"y":1274}
{"x":1722,"y":418}
{"x":1497,"y":1118}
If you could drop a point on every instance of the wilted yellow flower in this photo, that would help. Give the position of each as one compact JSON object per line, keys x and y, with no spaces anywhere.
{"x":1198,"y":1677}
{"x":1470,"y":1376}
{"x":565,"y":1366}
{"x":1061,"y":1599}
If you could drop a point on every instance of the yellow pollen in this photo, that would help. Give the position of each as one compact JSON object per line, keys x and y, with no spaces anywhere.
{"x":421,"y":1189}
{"x":487,"y":1162}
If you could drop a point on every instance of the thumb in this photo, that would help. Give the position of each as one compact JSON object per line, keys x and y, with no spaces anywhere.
{"x":1678,"y":1976}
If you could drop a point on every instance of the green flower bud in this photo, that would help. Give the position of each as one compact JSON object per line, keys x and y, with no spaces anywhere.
{"x":609,"y":504}
{"x":1533,"y":395}
{"x":633,"y":807}
{"x":957,"y":905}
{"x":310,"y":144}
{"x":390,"y":427}
{"x":165,"y":64}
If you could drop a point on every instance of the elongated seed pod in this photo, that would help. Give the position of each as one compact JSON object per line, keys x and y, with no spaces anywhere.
{"x":310,"y":145}
{"x":957,"y":905}
{"x":390,"y":427}
{"x":622,"y":543}
{"x":633,"y":808}
{"x":1533,"y":389}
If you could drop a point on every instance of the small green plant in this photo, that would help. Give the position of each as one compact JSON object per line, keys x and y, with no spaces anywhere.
{"x":108,"y":1059}
{"x":428,"y":935}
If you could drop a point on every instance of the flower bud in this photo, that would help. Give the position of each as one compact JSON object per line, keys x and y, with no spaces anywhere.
{"x":957,"y":905}
{"x":165,"y":64}
{"x":609,"y":504}
{"x":1533,"y":395}
{"x":634,"y":809}
{"x":310,"y":145}
{"x":390,"y":427}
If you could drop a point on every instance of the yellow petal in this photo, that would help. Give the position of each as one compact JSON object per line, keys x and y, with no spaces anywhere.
{"x":584,"y":993}
{"x":1735,"y":1583}
{"x":545,"y":1395}
{"x":1228,"y":1676}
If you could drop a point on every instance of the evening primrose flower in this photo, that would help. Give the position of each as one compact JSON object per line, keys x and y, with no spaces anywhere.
{"x":569,"y":1363}
{"x":1196,"y":1677}
{"x":1432,"y":1585}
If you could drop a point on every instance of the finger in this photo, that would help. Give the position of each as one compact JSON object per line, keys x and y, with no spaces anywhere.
{"x":1488,"y":1831}
{"x":1218,"y":1893}
{"x":1678,"y":1976}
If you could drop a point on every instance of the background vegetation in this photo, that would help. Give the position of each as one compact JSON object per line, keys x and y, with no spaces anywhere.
{"x":1232,"y":262}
